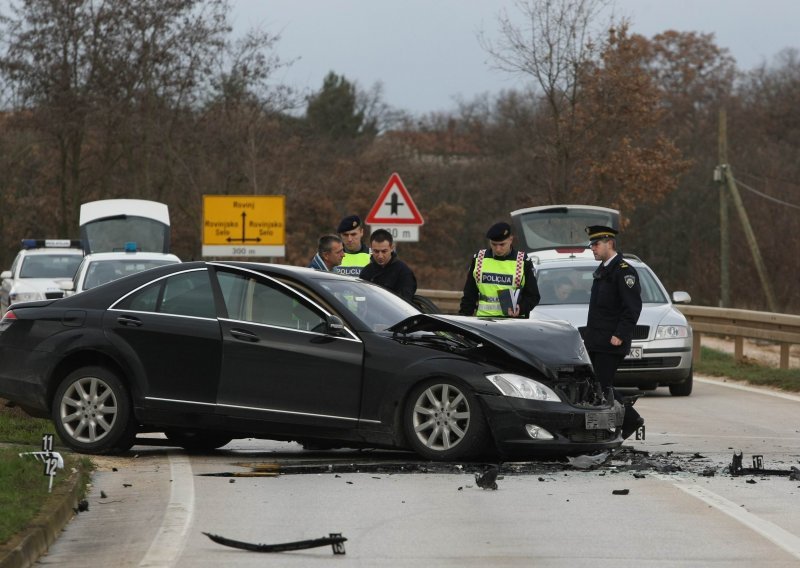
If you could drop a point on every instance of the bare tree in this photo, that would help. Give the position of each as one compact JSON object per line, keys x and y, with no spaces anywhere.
{"x":551,"y":42}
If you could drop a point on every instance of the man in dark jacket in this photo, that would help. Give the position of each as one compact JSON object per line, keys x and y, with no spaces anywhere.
{"x":614,"y":308}
{"x":385,"y":269}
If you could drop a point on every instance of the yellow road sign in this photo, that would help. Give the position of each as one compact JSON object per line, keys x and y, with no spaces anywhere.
{"x":244,"y":225}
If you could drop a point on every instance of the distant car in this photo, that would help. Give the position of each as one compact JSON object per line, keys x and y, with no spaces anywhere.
{"x":37,"y":270}
{"x":210,"y":351}
{"x":661,"y":352}
{"x":103,"y":267}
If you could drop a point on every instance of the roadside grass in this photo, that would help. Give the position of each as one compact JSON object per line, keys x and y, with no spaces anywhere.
{"x":720,"y":364}
{"x":23,"y":484}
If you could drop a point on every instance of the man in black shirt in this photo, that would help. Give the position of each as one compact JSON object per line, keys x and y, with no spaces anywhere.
{"x":385,"y":269}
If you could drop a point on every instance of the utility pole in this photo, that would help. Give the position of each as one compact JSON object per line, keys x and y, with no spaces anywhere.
{"x":724,"y":222}
{"x":724,"y":175}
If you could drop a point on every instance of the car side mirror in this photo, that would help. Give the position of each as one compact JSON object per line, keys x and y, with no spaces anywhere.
{"x":5,"y":274}
{"x":66,"y":285}
{"x":681,"y":298}
{"x":334,"y":325}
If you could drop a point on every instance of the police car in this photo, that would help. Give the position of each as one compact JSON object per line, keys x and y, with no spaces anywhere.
{"x":556,"y":241}
{"x":103,"y":267}
{"x":37,"y":270}
{"x":121,"y":237}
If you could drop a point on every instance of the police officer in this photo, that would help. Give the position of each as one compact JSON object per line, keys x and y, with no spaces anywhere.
{"x":356,"y":254}
{"x":614,"y":308}
{"x":496,"y":272}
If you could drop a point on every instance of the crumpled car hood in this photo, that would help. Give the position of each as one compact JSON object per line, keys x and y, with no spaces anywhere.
{"x":545,"y":345}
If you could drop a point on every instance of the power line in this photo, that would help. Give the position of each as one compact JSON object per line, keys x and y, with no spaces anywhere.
{"x":765,"y":196}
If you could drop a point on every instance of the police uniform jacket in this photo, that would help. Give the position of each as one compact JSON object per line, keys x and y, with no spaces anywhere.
{"x":528,"y":298}
{"x":614,"y":307}
{"x":353,"y":262}
{"x":396,"y":276}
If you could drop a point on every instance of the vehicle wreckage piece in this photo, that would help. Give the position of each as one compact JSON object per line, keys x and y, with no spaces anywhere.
{"x":737,"y":469}
{"x":336,"y":540}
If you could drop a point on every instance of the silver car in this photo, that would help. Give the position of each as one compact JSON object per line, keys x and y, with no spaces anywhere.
{"x":661,"y":352}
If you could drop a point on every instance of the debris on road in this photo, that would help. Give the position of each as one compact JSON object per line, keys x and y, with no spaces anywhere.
{"x":736,"y":469}
{"x":488,"y":479}
{"x":620,"y":491}
{"x":588,"y":462}
{"x":336,"y":540}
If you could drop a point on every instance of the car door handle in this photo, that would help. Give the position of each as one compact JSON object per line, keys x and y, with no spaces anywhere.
{"x":129,"y":320}
{"x":244,"y":335}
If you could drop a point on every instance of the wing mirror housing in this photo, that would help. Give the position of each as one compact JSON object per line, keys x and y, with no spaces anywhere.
{"x":681,"y":297}
{"x":334,"y":325}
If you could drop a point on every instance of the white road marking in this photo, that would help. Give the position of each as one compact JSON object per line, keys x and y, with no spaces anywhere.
{"x":171,"y":538}
{"x":781,"y":537}
{"x":738,"y":386}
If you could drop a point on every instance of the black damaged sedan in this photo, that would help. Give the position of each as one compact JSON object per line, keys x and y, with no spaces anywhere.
{"x":211,"y":351}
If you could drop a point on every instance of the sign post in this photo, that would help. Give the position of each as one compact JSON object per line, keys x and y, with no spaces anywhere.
{"x":244,"y":225}
{"x":395,"y":211}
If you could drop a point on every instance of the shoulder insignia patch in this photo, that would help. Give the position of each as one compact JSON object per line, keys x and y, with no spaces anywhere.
{"x":630,"y":280}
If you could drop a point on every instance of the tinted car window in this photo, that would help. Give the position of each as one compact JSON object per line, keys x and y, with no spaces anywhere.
{"x":248,"y":299}
{"x":573,"y":285}
{"x":185,"y":294}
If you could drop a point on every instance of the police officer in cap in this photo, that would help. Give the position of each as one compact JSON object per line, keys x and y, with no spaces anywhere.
{"x":356,"y":254}
{"x":614,"y":308}
{"x":500,"y":280}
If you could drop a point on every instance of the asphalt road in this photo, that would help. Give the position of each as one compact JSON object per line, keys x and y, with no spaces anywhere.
{"x":682,"y":507}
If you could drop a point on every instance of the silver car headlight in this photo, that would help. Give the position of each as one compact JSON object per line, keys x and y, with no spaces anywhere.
{"x":522,"y":387}
{"x":671,"y":331}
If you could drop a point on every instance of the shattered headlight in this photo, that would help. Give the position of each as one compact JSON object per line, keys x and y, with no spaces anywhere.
{"x":671,"y":331}
{"x":522,"y":387}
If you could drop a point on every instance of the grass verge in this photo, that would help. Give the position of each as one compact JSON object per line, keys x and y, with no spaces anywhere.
{"x":717,"y":363}
{"x":23,"y":485}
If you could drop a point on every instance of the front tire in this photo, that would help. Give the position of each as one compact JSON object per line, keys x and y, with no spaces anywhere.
{"x":443,"y":421}
{"x":684,"y":388}
{"x":92,"y":412}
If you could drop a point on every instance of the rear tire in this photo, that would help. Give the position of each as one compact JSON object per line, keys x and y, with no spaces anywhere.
{"x":443,"y":421}
{"x":684,"y":388}
{"x":198,"y":440}
{"x":92,"y":412}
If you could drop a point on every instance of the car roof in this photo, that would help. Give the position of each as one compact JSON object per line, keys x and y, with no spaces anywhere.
{"x":140,"y":255}
{"x":553,"y":259}
{"x":50,"y":250}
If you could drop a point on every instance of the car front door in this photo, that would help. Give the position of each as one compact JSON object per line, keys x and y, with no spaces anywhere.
{"x":278,"y":362}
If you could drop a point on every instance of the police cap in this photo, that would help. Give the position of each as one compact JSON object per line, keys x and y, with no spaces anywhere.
{"x":349,"y":223}
{"x":499,"y":232}
{"x":597,"y":232}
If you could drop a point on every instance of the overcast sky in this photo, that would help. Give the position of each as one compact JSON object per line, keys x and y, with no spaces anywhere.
{"x":426,"y":52}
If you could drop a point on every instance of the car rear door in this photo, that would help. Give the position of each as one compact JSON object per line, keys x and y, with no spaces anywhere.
{"x":278,"y":363}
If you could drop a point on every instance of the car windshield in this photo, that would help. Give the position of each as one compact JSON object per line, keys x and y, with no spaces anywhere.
{"x":376,"y":307}
{"x":101,"y":272}
{"x":50,"y":265}
{"x":573,"y":285}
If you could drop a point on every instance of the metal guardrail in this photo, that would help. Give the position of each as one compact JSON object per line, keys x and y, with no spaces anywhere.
{"x":782,"y":329}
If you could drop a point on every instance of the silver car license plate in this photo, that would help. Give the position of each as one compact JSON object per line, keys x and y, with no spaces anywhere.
{"x":601,"y":420}
{"x":636,"y":353}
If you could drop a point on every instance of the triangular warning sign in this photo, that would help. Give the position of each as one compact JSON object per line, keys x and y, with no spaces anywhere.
{"x":394,"y":206}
